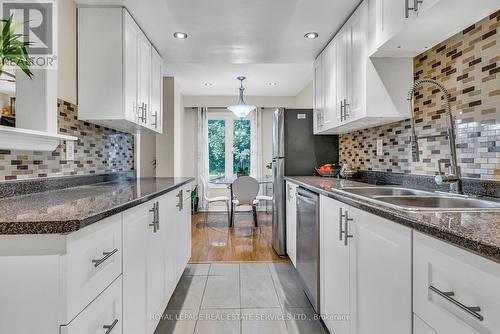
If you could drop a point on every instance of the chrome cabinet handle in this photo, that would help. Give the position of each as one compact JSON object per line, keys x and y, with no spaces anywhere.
{"x":156,"y":221}
{"x":155,"y":115}
{"x":346,"y":228}
{"x":106,"y":256}
{"x":346,"y":114}
{"x":180,"y":196}
{"x":341,"y":110}
{"x":341,"y":215}
{"x":416,"y":3}
{"x":472,"y":310}
{"x":109,"y":328}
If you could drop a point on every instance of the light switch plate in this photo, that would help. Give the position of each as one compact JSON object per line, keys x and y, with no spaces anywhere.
{"x":380,"y":145}
{"x":70,"y":150}
{"x":301,"y":116}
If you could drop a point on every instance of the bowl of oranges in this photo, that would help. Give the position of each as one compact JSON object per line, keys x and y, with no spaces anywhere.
{"x":328,"y":170}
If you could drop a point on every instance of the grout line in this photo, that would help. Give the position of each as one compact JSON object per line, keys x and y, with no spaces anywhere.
{"x":201,"y":302}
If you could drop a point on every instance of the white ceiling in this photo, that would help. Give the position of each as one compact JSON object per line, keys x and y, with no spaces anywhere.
{"x":262,"y":39}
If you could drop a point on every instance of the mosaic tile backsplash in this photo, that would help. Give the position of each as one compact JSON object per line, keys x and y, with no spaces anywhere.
{"x":98,"y":150}
{"x":468,"y":65}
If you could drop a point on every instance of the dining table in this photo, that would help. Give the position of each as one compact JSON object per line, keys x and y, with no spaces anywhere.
{"x":228,"y":181}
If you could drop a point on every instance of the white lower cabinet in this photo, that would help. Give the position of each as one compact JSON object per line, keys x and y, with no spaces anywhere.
{"x":104,"y":315}
{"x":114,"y":276}
{"x":337,"y":304}
{"x":365,"y":271}
{"x":383,"y":274}
{"x":454,"y":291}
{"x":291,"y":222}
{"x":156,"y":249}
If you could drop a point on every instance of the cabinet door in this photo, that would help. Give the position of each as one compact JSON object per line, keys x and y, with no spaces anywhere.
{"x":291,"y":221}
{"x":144,"y":79}
{"x":156,"y":110}
{"x":341,"y":63}
{"x":330,"y":85}
{"x":131,"y":66}
{"x":335,"y":270}
{"x":168,"y":218}
{"x":390,"y":19}
{"x":384,"y":274}
{"x":357,"y":57}
{"x":135,"y":249}
{"x":318,"y":95}
{"x":155,"y":269}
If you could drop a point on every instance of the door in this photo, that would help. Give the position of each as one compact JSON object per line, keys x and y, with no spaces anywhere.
{"x":155,"y":266}
{"x":135,"y":250}
{"x":291,"y":221}
{"x":357,"y":40}
{"x":156,"y":110}
{"x":144,"y":79}
{"x":131,"y":66}
{"x":384,"y":274}
{"x":335,"y":268}
{"x":308,"y":244}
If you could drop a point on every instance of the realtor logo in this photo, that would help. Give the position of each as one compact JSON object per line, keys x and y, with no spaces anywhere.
{"x":35,"y":21}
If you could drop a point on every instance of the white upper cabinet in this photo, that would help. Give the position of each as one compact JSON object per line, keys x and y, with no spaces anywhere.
{"x":406,"y":28}
{"x":119,"y":72}
{"x":318,"y":95}
{"x":131,"y":66}
{"x":156,"y":97}
{"x":357,"y":91}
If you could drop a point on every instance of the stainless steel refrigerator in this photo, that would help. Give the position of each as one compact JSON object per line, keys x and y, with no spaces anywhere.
{"x":296,"y":152}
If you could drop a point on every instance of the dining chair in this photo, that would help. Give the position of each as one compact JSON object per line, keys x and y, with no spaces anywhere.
{"x":245,"y":190}
{"x":210,"y":200}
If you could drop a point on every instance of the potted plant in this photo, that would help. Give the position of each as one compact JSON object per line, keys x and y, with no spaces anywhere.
{"x":194,"y":201}
{"x":13,"y":50}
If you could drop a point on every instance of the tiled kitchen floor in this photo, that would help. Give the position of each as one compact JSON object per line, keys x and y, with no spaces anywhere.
{"x":243,"y":298}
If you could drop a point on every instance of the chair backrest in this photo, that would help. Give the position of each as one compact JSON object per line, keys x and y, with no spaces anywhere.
{"x":204,"y":187}
{"x":245,"y":189}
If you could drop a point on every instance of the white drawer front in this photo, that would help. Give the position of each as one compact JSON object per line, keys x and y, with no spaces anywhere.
{"x":85,"y":276}
{"x":186,"y":190}
{"x":103,"y":315}
{"x":474,"y":281}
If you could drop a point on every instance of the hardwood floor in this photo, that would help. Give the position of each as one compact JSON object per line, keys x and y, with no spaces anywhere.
{"x":216,"y":242}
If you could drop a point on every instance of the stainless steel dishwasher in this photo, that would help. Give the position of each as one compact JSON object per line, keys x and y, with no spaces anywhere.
{"x":308,"y":244}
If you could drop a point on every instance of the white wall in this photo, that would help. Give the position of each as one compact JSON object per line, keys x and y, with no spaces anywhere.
{"x":66,"y":75}
{"x":305,"y":98}
{"x":165,"y":147}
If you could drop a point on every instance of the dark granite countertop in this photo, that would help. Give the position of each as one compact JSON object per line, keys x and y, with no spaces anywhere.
{"x":70,"y":209}
{"x":476,"y":231}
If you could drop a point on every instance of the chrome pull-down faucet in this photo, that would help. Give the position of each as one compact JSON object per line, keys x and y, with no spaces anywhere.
{"x":453,"y":176}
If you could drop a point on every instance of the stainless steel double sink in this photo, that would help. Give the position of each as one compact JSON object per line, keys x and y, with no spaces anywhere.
{"x":419,"y":200}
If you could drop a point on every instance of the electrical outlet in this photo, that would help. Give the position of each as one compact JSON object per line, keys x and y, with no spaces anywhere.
{"x":70,"y":150}
{"x":380,"y":146}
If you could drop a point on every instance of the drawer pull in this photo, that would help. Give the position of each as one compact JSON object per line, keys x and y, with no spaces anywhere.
{"x":106,"y":256}
{"x":109,"y":328}
{"x":472,"y":310}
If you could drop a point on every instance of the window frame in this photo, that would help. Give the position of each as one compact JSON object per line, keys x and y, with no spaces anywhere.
{"x":229,"y":119}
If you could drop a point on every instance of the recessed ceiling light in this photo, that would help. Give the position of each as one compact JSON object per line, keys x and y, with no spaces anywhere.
{"x":273,"y":84}
{"x":208,"y":84}
{"x":311,"y":35}
{"x":180,"y":35}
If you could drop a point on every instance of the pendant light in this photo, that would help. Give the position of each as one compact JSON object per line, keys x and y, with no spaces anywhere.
{"x":241,"y":109}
